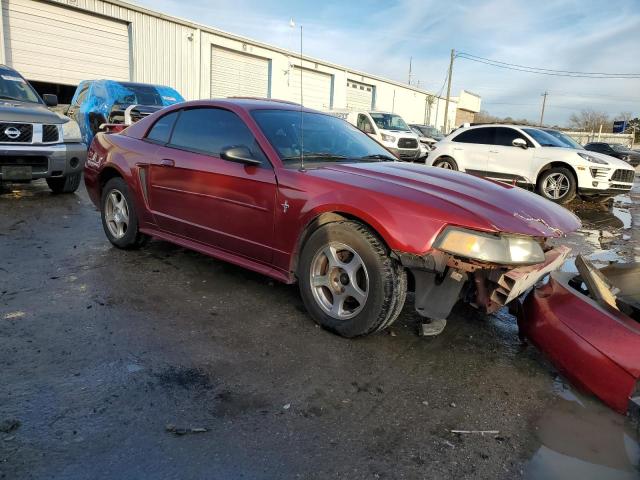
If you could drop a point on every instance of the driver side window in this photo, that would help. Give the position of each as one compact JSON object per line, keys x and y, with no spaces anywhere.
{"x":505,"y":136}
{"x":364,"y":124}
{"x":212,"y":130}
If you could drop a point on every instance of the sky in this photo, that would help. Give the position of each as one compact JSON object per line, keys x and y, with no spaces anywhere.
{"x":380,"y":37}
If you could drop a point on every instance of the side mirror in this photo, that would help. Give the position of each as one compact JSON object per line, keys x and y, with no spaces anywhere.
{"x":50,"y":100}
{"x":519,"y":142}
{"x":239,"y":155}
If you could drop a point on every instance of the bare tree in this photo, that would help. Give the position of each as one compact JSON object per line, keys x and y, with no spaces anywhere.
{"x":624,"y":116}
{"x":485,"y":117}
{"x":590,"y":120}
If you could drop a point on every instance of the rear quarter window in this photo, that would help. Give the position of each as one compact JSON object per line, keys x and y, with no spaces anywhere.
{"x":484,"y":136}
{"x":161,"y":130}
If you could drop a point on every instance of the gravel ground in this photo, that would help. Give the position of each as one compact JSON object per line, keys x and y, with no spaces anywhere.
{"x":115,"y":363}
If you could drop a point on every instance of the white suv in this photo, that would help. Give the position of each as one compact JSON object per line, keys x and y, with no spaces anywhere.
{"x":547,"y":160}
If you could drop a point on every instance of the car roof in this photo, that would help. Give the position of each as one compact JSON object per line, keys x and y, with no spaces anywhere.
{"x":251,"y":103}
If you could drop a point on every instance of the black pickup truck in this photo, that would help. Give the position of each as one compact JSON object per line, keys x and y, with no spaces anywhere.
{"x":36,"y":142}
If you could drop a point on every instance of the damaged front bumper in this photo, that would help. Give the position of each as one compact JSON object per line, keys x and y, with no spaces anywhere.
{"x":592,"y":334}
{"x":442,"y":279}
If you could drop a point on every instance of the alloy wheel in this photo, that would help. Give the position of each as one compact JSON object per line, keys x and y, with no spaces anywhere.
{"x":116,"y":214}
{"x":339,"y":281}
{"x":556,"y":185}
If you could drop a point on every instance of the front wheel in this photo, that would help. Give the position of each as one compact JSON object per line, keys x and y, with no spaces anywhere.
{"x":348,"y":282}
{"x":557,"y":184}
{"x":119,"y":217}
{"x":447,"y":163}
{"x":67,"y":184}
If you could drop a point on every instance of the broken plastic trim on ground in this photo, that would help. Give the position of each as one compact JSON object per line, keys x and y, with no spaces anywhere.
{"x":588,"y":325}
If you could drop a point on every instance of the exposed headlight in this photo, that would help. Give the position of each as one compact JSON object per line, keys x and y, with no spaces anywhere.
{"x":71,"y":132}
{"x":504,"y":249}
{"x":592,"y":159}
{"x":388,"y":138}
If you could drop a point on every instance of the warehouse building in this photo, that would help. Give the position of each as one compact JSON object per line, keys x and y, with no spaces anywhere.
{"x":55,"y":44}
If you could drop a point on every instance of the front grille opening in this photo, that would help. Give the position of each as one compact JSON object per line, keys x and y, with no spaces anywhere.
{"x":407,"y":143}
{"x":623,"y":176}
{"x":16,"y":132}
{"x":49,"y":133}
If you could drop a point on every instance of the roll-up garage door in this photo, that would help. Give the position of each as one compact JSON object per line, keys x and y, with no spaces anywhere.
{"x":238,"y":74}
{"x":49,"y":43}
{"x":316,"y":88}
{"x":359,"y":96}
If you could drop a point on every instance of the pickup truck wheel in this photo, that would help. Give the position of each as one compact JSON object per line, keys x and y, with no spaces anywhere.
{"x":119,"y":218}
{"x":557,"y":184}
{"x":447,"y":163}
{"x":68,"y":184}
{"x":348,"y":282}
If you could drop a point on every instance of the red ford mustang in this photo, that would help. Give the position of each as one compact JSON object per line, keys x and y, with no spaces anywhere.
{"x":302,"y":196}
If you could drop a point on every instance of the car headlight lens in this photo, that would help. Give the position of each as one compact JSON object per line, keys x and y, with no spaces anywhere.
{"x":71,"y":131}
{"x":592,"y":159}
{"x":504,"y":249}
{"x":388,"y":138}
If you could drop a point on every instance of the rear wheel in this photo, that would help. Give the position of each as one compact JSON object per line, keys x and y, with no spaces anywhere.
{"x":348,"y":283}
{"x":67,"y":184}
{"x":447,"y":163}
{"x":557,"y":184}
{"x":119,"y":217}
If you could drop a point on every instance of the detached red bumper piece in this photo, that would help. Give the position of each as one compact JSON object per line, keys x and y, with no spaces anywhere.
{"x":588,"y":325}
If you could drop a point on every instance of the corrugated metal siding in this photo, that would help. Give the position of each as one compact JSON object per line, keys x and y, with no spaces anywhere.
{"x":162,"y":51}
{"x":238,"y":74}
{"x":359,"y":96}
{"x":317,"y":88}
{"x":51,"y":43}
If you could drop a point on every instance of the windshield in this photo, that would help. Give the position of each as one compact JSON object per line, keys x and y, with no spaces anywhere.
{"x":620,"y":148}
{"x":390,"y":121}
{"x":544,"y":139}
{"x":566,"y":139}
{"x":141,"y":94}
{"x":14,"y":87}
{"x":326,"y":138}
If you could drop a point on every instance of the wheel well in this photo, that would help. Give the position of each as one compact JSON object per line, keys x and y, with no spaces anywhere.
{"x":551,"y":165}
{"x":106,"y":175}
{"x":323,"y":219}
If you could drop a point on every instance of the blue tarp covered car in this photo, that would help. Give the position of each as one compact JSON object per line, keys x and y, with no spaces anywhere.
{"x":96,"y":102}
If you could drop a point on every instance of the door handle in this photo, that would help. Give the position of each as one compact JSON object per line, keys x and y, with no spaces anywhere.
{"x":493,"y":151}
{"x":167,"y":162}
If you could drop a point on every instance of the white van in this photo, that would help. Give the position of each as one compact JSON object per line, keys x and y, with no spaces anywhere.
{"x":390,"y":130}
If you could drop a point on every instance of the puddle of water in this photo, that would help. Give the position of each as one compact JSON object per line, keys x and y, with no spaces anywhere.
{"x":581,"y":438}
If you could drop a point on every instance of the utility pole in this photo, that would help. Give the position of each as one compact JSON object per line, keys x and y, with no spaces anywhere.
{"x":446,"y":105}
{"x":410,"y":75}
{"x":544,"y":103}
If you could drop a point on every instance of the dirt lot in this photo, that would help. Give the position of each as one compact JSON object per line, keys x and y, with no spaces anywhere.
{"x":108,"y":359}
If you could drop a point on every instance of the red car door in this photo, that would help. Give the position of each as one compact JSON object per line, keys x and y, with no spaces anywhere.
{"x":196,"y":194}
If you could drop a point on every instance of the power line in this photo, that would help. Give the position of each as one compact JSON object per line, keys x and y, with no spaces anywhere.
{"x":546,"y":71}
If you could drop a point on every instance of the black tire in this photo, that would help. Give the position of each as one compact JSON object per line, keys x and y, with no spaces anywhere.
{"x":564,"y":196}
{"x":446,"y":162}
{"x":132,"y":238}
{"x":67,"y":184}
{"x":386,"y":284}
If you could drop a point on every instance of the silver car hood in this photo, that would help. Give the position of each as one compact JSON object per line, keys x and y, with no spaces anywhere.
{"x":26,"y":112}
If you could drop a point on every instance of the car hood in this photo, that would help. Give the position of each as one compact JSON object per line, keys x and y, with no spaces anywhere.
{"x":403,"y":133}
{"x":459,"y":198}
{"x":612,"y":161}
{"x":26,"y":112}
